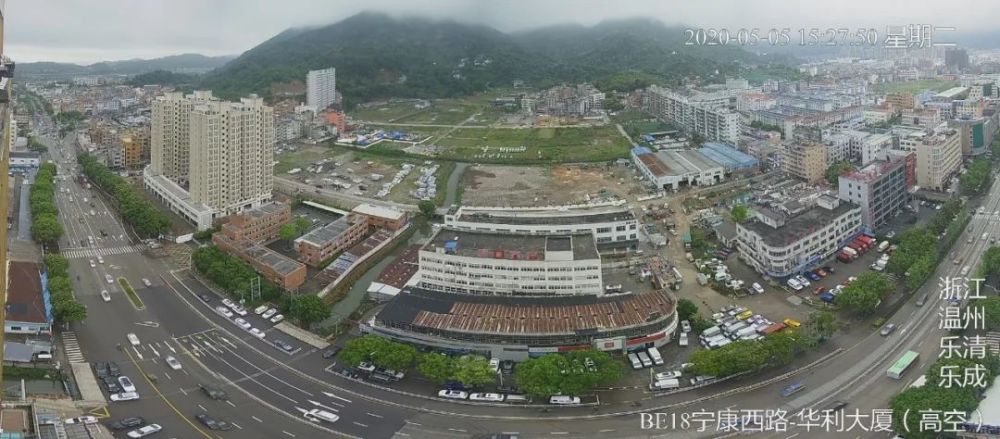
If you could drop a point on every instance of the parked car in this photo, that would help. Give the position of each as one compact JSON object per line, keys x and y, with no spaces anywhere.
{"x":126,"y":384}
{"x":260,"y":309}
{"x":146,"y":282}
{"x":130,"y":422}
{"x":492,"y":397}
{"x":256,"y":332}
{"x":922,"y":300}
{"x":81,"y":420}
{"x":101,"y":369}
{"x":105,"y":295}
{"x":241,"y":322}
{"x":668,"y":375}
{"x":224,"y":311}
{"x":228,"y":303}
{"x":367,"y":367}
{"x":564,"y":400}
{"x":756,"y":287}
{"x":453,"y":394}
{"x":108,"y":278}
{"x":145,"y":431}
{"x":682,"y":340}
{"x":267,"y":314}
{"x":124,"y":396}
{"x":277,"y":318}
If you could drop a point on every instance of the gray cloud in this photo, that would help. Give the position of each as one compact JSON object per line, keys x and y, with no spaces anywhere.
{"x":87,"y":30}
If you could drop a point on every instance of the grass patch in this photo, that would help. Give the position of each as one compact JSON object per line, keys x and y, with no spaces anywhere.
{"x":542,"y":145}
{"x":132,"y":296}
{"x":31,"y":373}
{"x":916,"y":86}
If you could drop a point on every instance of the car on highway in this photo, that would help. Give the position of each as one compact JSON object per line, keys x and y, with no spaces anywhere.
{"x":685,"y":326}
{"x":491,"y":397}
{"x":792,"y":389}
{"x":172,"y":362}
{"x":224,"y":311}
{"x":130,"y":422}
{"x":146,"y":282}
{"x":320,"y":415}
{"x":92,"y":264}
{"x":269,"y":313}
{"x":133,"y":339}
{"x":108,"y":278}
{"x":965,"y":270}
{"x":564,"y":400}
{"x":887,"y":329}
{"x":214,"y":392}
{"x":205,"y":297}
{"x":241,"y":322}
{"x":453,"y":394}
{"x":277,"y":318}
{"x":124,"y":396}
{"x":922,"y":300}
{"x":256,"y":332}
{"x":212,"y":423}
{"x":126,"y":384}
{"x":145,"y":431}
{"x":81,"y":420}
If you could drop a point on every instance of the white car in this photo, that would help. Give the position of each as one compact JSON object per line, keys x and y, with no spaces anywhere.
{"x":126,"y":384}
{"x":257,"y":333}
{"x":756,"y":287}
{"x":224,"y":311}
{"x":267,"y":314}
{"x":242,"y":323}
{"x":683,"y":339}
{"x":495,"y":365}
{"x":965,"y":270}
{"x":125,"y":396}
{"x":453,"y":394}
{"x":144,"y":431}
{"x":802,"y":280}
{"x":100,"y":259}
{"x":277,"y":318}
{"x":494,"y":397}
{"x":228,"y":303}
{"x":685,"y":326}
{"x":240,"y":310}
{"x":564,"y":400}
{"x":82,"y":420}
{"x":105,"y":295}
{"x":146,"y":282}
{"x":794,"y":284}
{"x":172,"y":362}
{"x":366,"y":366}
{"x":260,"y":309}
{"x":108,"y":278}
{"x":132,"y":339}
{"x":92,"y":264}
{"x":668,"y":375}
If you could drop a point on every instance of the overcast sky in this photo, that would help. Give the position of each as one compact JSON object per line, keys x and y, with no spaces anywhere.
{"x":86,"y":31}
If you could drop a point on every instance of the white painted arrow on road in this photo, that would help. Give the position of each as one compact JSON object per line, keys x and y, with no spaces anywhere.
{"x":337,"y":397}
{"x":321,"y":406}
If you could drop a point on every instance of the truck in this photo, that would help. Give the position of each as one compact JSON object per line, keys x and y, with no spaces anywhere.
{"x":702,"y":279}
{"x":772,"y":328}
{"x":669,"y":384}
{"x":850,"y":251}
{"x":687,"y":240}
{"x":711,"y":332}
{"x":844,"y":257}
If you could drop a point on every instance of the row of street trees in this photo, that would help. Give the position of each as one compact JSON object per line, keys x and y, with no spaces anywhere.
{"x":920,"y":248}
{"x":65,"y":308}
{"x":45,"y":227}
{"x":976,"y":178}
{"x":235,"y":277}
{"x":942,"y":394}
{"x":145,"y":219}
{"x":749,"y":355}
{"x":863,"y":296}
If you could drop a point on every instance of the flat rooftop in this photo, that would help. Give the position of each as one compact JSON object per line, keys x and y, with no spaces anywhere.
{"x":379,"y":211}
{"x":550,"y":217}
{"x":263,"y":210}
{"x":276,"y":261}
{"x":430,"y":311}
{"x":797,"y":226}
{"x":321,"y":236}
{"x":511,"y":246}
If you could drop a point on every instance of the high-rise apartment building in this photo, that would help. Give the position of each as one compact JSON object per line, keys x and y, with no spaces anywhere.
{"x":711,"y":121}
{"x":321,"y":88}
{"x":879,"y":188}
{"x":5,"y":131}
{"x":211,"y":158}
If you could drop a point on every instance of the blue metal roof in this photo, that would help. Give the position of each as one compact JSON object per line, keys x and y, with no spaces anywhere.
{"x":727,"y":156}
{"x":639,"y":150}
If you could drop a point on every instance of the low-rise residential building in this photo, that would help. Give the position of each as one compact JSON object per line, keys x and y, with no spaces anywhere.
{"x":29,"y":307}
{"x":380,"y":217}
{"x":611,"y":226}
{"x":877,"y":115}
{"x":805,"y":161}
{"x":469,"y":262}
{"x":880,"y":189}
{"x":900,"y":101}
{"x":260,"y":224}
{"x":20,"y":161}
{"x":324,"y":242}
{"x":781,"y":243}
{"x":244,"y":235}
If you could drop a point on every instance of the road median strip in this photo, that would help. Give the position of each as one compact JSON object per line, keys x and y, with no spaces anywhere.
{"x":132,"y":296}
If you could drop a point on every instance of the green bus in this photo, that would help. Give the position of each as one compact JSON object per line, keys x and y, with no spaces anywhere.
{"x":899,"y":367}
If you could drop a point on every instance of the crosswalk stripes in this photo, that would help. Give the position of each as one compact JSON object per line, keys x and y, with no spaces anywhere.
{"x":106,"y":251}
{"x":72,"y":347}
{"x":992,"y":340}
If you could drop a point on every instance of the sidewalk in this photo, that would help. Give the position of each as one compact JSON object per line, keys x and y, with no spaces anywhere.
{"x":302,"y":335}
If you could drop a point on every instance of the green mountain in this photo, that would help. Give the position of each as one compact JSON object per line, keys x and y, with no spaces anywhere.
{"x":378,"y":56}
{"x":188,"y":62}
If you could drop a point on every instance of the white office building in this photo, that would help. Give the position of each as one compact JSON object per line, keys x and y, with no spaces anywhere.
{"x":784,"y":242}
{"x":321,"y":88}
{"x":611,"y":225}
{"x":708,"y":117}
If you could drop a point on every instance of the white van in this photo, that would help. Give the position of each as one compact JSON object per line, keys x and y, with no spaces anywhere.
{"x":634,"y":359}
{"x":711,"y":332}
{"x":665,"y":384}
{"x":518,"y":398}
{"x":683,"y":339}
{"x":719,"y":344}
{"x":644,"y":358}
{"x":654,"y":354}
{"x":322,"y":415}
{"x":564,"y":400}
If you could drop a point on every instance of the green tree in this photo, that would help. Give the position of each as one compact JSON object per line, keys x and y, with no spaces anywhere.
{"x":57,"y":265}
{"x":835,"y":170}
{"x":436,"y":367}
{"x":686,"y":309}
{"x":864,"y":295}
{"x":287,"y":232}
{"x":301,"y":225}
{"x":542,"y":376}
{"x":46,"y":228}
{"x":60,"y":284}
{"x":566,"y":374}
{"x":823,"y":324}
{"x":308,"y":309}
{"x":395,"y":356}
{"x":427,"y":208}
{"x":474,"y":370}
{"x":69,"y":311}
{"x":360,"y":349}
{"x":740,"y":213}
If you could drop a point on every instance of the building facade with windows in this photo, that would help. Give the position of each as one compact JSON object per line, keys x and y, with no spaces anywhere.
{"x":805,"y":161}
{"x":611,"y":225}
{"x":321,"y":88}
{"x":710,"y":120}
{"x":880,"y":189}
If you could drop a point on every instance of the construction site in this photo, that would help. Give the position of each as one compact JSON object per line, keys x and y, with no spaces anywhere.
{"x":520,"y":186}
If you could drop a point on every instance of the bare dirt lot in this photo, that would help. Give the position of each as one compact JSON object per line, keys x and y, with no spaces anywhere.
{"x":540,"y":186}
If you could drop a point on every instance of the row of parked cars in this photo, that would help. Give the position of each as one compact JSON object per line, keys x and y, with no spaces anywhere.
{"x":500,"y":397}
{"x":645,"y":358}
{"x":798,"y":282}
{"x":737,"y":323}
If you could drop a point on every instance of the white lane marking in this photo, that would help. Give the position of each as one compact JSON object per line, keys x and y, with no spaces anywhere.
{"x":170,"y":346}
{"x":457,"y":429}
{"x":236,"y":425}
{"x":226,"y":341}
{"x":347,"y":400}
{"x":266,"y":372}
{"x":413,"y":423}
{"x":283,"y":431}
{"x":230,"y":403}
{"x":322,"y":406}
{"x":202,"y":407}
{"x":606,"y":430}
{"x":374,"y":415}
{"x":256,"y":418}
{"x":251,"y":378}
{"x":790,"y":437}
{"x":360,"y":424}
{"x":167,"y":375}
{"x":559,"y":432}
{"x":184,"y":392}
{"x":137,"y":352}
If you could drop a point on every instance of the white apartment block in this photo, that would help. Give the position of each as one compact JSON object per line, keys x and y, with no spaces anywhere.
{"x":709,"y":119}
{"x":876,"y":115}
{"x":939,"y":155}
{"x":781,"y":244}
{"x":608,"y":224}
{"x":211,"y":158}
{"x":873,"y":147}
{"x":321,"y":88}
{"x":838,"y":148}
{"x":480,"y":263}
